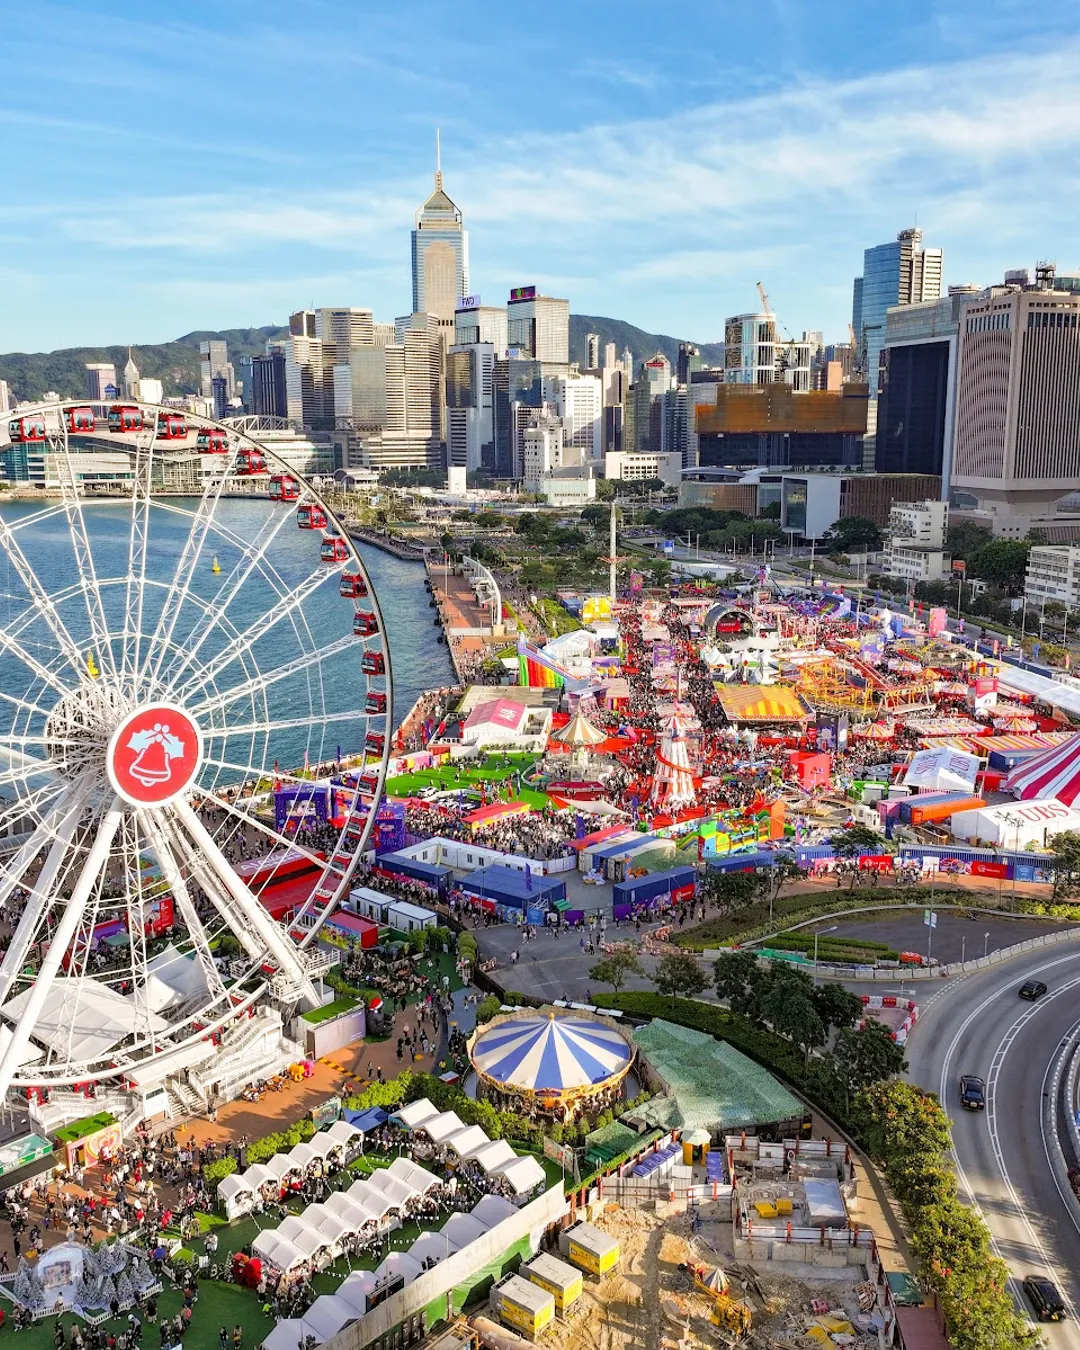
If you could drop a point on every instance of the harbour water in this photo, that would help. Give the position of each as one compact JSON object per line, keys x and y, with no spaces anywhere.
{"x":419,"y":661}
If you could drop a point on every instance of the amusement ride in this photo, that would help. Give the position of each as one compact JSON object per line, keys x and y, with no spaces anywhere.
{"x":172,"y":662}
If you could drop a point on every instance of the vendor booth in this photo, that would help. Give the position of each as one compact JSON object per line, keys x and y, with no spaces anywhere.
{"x":504,"y":890}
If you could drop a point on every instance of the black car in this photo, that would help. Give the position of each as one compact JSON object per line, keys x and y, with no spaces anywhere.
{"x":1043,"y":1296}
{"x":972,"y":1092}
{"x":1032,"y":989}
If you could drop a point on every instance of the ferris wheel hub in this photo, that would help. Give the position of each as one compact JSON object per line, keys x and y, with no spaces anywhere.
{"x":154,"y":754}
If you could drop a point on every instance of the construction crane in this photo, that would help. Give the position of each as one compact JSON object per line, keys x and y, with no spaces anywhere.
{"x":856,"y":350}
{"x":784,"y":358}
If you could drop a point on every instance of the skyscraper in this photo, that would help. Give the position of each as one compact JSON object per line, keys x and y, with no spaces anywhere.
{"x":268,"y":396}
{"x":100,"y":377}
{"x":131,"y":378}
{"x":214,"y":360}
{"x":538,"y":326}
{"x":440,"y":253}
{"x":592,"y":351}
{"x":900,"y":273}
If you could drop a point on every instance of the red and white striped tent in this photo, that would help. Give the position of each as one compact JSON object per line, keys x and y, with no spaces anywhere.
{"x":1053,"y":773}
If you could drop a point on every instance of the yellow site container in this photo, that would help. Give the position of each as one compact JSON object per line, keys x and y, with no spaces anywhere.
{"x":559,"y":1279}
{"x":591,"y":1250}
{"x":523,"y":1305}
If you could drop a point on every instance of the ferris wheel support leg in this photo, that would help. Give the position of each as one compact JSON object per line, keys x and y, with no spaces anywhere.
{"x":66,"y":929}
{"x":38,"y":901}
{"x":250,"y":912}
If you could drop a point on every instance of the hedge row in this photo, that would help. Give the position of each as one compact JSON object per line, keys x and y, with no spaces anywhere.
{"x":906,"y":1130}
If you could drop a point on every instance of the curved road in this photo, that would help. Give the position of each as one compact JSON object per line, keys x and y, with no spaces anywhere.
{"x":978,"y":1024}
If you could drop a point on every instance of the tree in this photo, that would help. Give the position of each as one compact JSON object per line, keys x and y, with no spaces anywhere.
{"x":965,"y":538}
{"x":854,"y":534}
{"x":838,"y":1007}
{"x":770,"y":511}
{"x":899,"y":1120}
{"x":679,"y":973}
{"x":853,"y":842}
{"x":739,"y":978}
{"x":859,"y":1058}
{"x":733,"y":891}
{"x":488,"y":1008}
{"x":615,"y":968}
{"x":1066,"y":850}
{"x":661,"y":573}
{"x":1002,"y":562}
{"x":787,"y":1004}
{"x":605,"y":490}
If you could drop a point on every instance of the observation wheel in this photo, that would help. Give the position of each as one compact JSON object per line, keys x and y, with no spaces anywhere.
{"x":190,"y":646}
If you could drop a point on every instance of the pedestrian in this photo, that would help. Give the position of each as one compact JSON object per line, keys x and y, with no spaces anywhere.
{"x":237,"y":1336}
{"x":223,"y":1338}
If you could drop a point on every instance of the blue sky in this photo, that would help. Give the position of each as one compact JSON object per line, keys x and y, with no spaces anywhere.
{"x":234,"y":161}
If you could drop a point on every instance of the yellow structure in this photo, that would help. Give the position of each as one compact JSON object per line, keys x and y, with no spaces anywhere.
{"x":728,"y":1312}
{"x":695,"y":1146}
{"x":823,"y":684}
{"x":561,"y":1281}
{"x":523,"y":1305}
{"x":589,"y":1249}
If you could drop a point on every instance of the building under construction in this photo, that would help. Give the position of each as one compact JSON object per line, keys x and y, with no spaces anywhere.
{"x":776,"y":426}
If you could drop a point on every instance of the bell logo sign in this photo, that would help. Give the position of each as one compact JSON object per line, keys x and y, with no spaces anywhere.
{"x":153,"y":755}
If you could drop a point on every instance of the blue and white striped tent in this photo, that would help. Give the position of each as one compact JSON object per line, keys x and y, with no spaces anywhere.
{"x":550,"y":1053}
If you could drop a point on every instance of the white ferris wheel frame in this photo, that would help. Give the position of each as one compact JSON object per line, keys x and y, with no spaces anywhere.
{"x":82,"y":821}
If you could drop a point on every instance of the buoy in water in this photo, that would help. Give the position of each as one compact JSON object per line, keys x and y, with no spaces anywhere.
{"x":91,"y":666}
{"x":216,"y":567}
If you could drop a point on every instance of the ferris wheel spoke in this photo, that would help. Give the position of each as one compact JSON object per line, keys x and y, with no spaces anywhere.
{"x":249,"y":921}
{"x":48,"y":831}
{"x":28,"y":805}
{"x":253,"y":555}
{"x":248,"y":637}
{"x":201,"y":521}
{"x":138,"y":545}
{"x":42,"y":606}
{"x":89,"y":877}
{"x":283,"y":672}
{"x":162,"y":838}
{"x":84,"y":554}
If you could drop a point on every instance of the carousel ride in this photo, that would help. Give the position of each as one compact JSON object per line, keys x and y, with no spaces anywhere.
{"x":551,"y":1063}
{"x":169,"y":657}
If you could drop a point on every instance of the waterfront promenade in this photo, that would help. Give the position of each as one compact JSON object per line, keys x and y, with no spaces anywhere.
{"x":466,"y":623}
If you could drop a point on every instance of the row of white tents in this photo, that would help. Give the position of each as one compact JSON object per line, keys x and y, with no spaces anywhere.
{"x":446,"y":1129}
{"x":238,"y":1192}
{"x":324,"y":1231}
{"x":331,"y":1313}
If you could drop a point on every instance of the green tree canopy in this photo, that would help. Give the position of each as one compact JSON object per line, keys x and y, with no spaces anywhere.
{"x":1002,"y":562}
{"x":614,"y":968}
{"x":679,"y":973}
{"x":854,"y":534}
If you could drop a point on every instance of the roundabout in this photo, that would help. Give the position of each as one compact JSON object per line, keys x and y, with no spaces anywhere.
{"x":171,"y":664}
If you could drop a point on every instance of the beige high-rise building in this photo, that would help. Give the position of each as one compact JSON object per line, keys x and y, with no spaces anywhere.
{"x":538,"y":326}
{"x":1017,"y":446}
{"x":440,"y":254}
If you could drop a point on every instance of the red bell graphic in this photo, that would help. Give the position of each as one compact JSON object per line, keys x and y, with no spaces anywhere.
{"x":151,"y":765}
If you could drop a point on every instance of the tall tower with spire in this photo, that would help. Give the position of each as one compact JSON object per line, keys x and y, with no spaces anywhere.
{"x":440,"y":252}
{"x":131,"y":377}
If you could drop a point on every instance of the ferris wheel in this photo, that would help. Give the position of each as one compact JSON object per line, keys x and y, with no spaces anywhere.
{"x":190,"y":645}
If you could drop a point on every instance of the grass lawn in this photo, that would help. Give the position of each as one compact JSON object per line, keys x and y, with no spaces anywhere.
{"x":447,"y":778}
{"x":343,"y":1004}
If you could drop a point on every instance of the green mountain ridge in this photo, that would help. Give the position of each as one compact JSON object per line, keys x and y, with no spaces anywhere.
{"x":31,"y":375}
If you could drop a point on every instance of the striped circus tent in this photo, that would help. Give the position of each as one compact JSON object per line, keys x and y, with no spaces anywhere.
{"x":550,"y":1053}
{"x":1054,"y":773}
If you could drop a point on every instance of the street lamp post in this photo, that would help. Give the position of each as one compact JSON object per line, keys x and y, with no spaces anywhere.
{"x":986,"y":944}
{"x":963,"y":948}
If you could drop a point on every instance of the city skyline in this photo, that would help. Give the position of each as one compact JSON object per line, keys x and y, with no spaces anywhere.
{"x":637,"y":177}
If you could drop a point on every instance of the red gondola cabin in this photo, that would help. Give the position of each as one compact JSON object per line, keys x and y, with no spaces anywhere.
{"x":353,"y":586}
{"x":334,"y":549}
{"x":80,"y":419}
{"x":125,"y":418}
{"x":374,"y":663}
{"x":374,"y":742}
{"x":283,"y":488}
{"x":171,"y":426}
{"x":376,"y":702}
{"x":364,"y":624}
{"x":310,"y":517}
{"x":24,"y":429}
{"x":212,"y":441}
{"x":250,"y":461}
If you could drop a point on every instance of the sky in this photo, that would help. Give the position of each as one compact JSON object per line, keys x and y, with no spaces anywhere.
{"x":234,"y":161}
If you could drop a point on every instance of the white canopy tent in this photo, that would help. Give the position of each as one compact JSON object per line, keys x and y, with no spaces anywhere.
{"x":375,"y":1202}
{"x":269,"y":1172}
{"x":335,"y":1227}
{"x":343,"y":1133}
{"x":942,"y":770}
{"x":399,"y":1263}
{"x":439,"y":1128}
{"x":277,"y":1251}
{"x":327,"y":1316}
{"x":82,"y":1019}
{"x":428,"y":1245}
{"x":400,"y":1192}
{"x":462,"y":1229}
{"x":355,"y":1288}
{"x":522,"y":1174}
{"x":288,"y":1334}
{"x":415,"y":1113}
{"x":468,"y":1142}
{"x":494,"y":1156}
{"x":302,"y":1155}
{"x":414,"y":1175}
{"x":492,"y":1209}
{"x":236,"y":1195}
{"x":355,"y":1214}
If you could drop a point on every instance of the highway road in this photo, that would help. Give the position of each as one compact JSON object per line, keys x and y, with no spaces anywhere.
{"x":978,"y":1024}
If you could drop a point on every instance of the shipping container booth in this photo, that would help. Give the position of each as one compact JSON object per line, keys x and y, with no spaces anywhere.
{"x":435,"y":878}
{"x":406,"y":918}
{"x":563,"y":1282}
{"x":523,"y":1305}
{"x":369,"y":904}
{"x":502,"y":887}
{"x":658,"y":888}
{"x":585,"y":1246}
